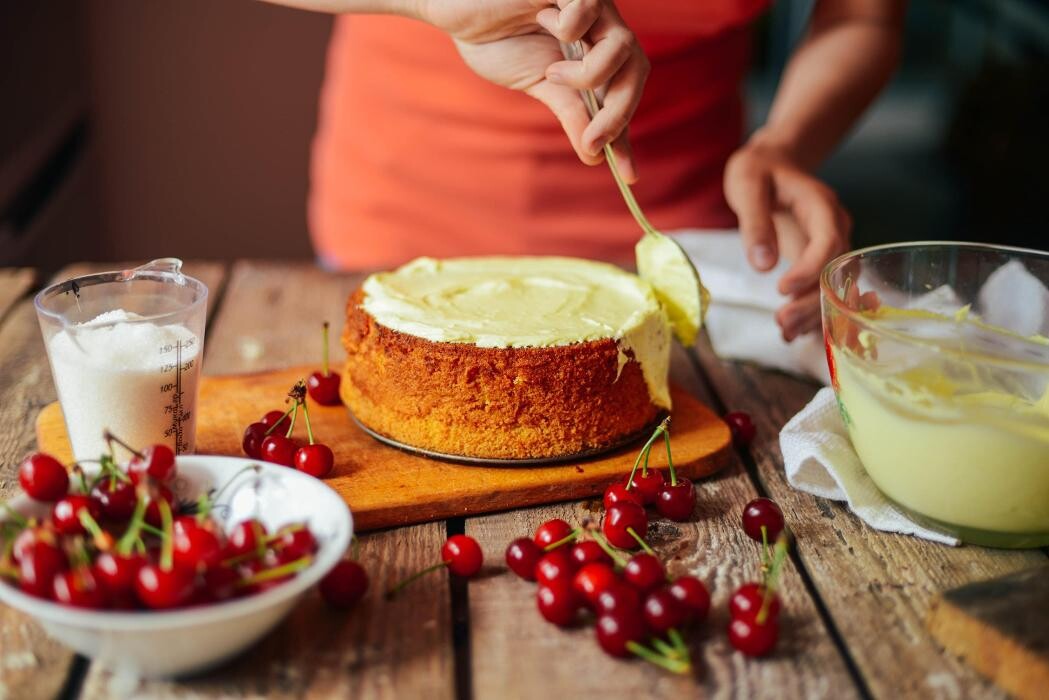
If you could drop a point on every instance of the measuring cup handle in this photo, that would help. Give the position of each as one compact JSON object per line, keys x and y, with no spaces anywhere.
{"x":170,"y":266}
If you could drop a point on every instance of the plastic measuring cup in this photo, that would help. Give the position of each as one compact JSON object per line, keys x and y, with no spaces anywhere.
{"x":125,"y":350}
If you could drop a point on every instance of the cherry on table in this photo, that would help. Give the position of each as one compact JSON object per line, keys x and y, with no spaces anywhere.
{"x":157,"y":461}
{"x":677,"y":501}
{"x":589,"y":551}
{"x":693,"y":595}
{"x":619,"y":492}
{"x":618,"y":597}
{"x":742,"y":428}
{"x":278,"y":418}
{"x":557,"y":602}
{"x":752,"y":638}
{"x":648,"y":485}
{"x":762,"y":513}
{"x":323,"y":386}
{"x":251,"y":443}
{"x":316,"y":460}
{"x":644,"y":572}
{"x":521,"y":557}
{"x":78,"y":588}
{"x":620,"y":519}
{"x":279,"y":450}
{"x":591,"y":580}
{"x":746,"y":602}
{"x":462,"y":555}
{"x":663,"y":611}
{"x":616,"y":630}
{"x":65,"y":514}
{"x":552,"y":531}
{"x":43,"y":477}
{"x":345,"y":584}
{"x":556,"y":565}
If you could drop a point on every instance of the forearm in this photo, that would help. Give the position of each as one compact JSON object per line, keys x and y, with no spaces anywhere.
{"x":849,"y":54}
{"x":409,"y":8}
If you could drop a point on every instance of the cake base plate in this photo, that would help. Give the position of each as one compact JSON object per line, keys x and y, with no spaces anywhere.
{"x":388,"y":487}
{"x":498,"y":462}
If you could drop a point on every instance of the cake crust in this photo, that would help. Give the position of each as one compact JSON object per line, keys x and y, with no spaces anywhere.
{"x":497,"y":403}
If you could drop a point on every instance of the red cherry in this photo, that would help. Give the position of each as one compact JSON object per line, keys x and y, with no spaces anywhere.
{"x":30,"y":536}
{"x":619,"y":518}
{"x":316,"y":460}
{"x":591,"y":580}
{"x":245,"y":537}
{"x":254,"y":434}
{"x":43,"y":477}
{"x":557,"y":602}
{"x":752,"y":639}
{"x":521,"y":557}
{"x":552,"y":531}
{"x":220,"y":583}
{"x":295,"y":542}
{"x":279,"y":450}
{"x":644,"y":572}
{"x":588,"y":551}
{"x":158,"y":461}
{"x":618,"y":597}
{"x":37,"y":567}
{"x":194,"y":546}
{"x":557,"y":565}
{"x":746,"y":602}
{"x":615,"y":632}
{"x":619,"y":492}
{"x":663,"y":611}
{"x":65,"y":514}
{"x":78,"y":588}
{"x":677,"y":501}
{"x":160,"y":588}
{"x":324,"y":388}
{"x":273,"y":418}
{"x":759,"y":513}
{"x":742,"y":428}
{"x":160,"y":492}
{"x":345,"y":584}
{"x":462,"y":555}
{"x":648,"y":486}
{"x":693,"y":595}
{"x":117,"y":572}
{"x":115,"y":498}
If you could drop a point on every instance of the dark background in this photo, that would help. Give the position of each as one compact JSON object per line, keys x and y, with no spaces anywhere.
{"x":132,"y":129}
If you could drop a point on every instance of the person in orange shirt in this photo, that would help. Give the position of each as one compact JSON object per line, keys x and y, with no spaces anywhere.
{"x":422,"y":149}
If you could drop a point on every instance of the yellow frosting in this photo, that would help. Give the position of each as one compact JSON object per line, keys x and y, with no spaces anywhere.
{"x":504,"y":302}
{"x":662,"y":263}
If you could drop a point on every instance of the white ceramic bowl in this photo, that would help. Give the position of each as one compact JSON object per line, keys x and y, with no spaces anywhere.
{"x":171,"y":643}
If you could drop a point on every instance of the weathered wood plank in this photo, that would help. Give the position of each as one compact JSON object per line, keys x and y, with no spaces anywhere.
{"x":516,"y":654}
{"x":31,"y":665}
{"x":14,"y":283}
{"x":270,"y":317}
{"x":878,"y":587}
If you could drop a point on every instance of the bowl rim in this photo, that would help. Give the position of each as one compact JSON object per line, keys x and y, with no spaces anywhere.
{"x":154,"y":620}
{"x":828,"y":295}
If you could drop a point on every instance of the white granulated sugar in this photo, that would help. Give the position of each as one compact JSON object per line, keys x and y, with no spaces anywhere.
{"x":120,"y":373}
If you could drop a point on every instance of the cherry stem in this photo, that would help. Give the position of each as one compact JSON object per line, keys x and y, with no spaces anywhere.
{"x":79,"y":474}
{"x":281,"y":571}
{"x":309,"y":428}
{"x":278,"y":422}
{"x":417,"y":575}
{"x":102,"y":539}
{"x":324,"y":364}
{"x":678,"y":642}
{"x":260,"y":539}
{"x":563,"y":541}
{"x":643,"y":454}
{"x":672,"y":665}
{"x":772,"y":580}
{"x":764,"y":549}
{"x":146,"y":527}
{"x":294,"y":415}
{"x":111,"y":438}
{"x":603,"y":544}
{"x":640,"y":541}
{"x":167,"y":546}
{"x":670,"y":460}
{"x":131,"y":536}
{"x":664,"y":648}
{"x":20,"y":519}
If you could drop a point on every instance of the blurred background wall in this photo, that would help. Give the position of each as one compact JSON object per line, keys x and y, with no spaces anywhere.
{"x":132,"y":129}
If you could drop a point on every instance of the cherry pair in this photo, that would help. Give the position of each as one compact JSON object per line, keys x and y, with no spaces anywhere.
{"x":270,"y":439}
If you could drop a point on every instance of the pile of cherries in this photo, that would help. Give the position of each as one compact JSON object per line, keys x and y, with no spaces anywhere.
{"x":120,"y":540}
{"x":754,"y":607}
{"x":270,"y":438}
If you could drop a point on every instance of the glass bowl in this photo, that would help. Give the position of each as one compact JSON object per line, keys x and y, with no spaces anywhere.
{"x":939,"y":358}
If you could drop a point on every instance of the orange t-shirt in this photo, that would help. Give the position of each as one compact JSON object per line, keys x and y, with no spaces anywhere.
{"x":417,"y":155}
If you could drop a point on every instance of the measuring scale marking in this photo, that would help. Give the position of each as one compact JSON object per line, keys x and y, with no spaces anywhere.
{"x":174,"y":389}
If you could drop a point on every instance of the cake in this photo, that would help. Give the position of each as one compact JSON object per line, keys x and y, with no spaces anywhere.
{"x":506,"y":357}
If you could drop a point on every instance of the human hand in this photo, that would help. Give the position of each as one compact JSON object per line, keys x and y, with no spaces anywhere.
{"x":514,"y":43}
{"x":784,"y":210}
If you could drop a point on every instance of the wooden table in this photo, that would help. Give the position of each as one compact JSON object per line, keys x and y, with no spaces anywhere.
{"x":855,"y":600}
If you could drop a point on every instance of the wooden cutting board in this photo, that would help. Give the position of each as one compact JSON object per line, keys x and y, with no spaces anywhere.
{"x":388,"y":487}
{"x":1000,"y":627}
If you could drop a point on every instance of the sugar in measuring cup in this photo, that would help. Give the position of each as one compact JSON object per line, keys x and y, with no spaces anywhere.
{"x":125,"y":350}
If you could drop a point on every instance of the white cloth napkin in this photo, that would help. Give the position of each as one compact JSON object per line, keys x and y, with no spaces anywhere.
{"x":817,"y":454}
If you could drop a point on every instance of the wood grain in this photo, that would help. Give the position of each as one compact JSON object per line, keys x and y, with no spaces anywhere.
{"x":878,"y":587}
{"x":31,"y":665}
{"x":270,"y":318}
{"x":516,"y":654}
{"x":1001,"y":628}
{"x":388,"y":487}
{"x":14,"y":283}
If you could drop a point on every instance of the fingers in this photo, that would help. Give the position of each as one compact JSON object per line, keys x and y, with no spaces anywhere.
{"x":800,"y":315}
{"x":572,"y":22}
{"x":824,"y":221}
{"x":598,"y":65}
{"x":624,"y":155}
{"x":569,"y":109}
{"x":621,"y":100}
{"x":748,"y":189}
